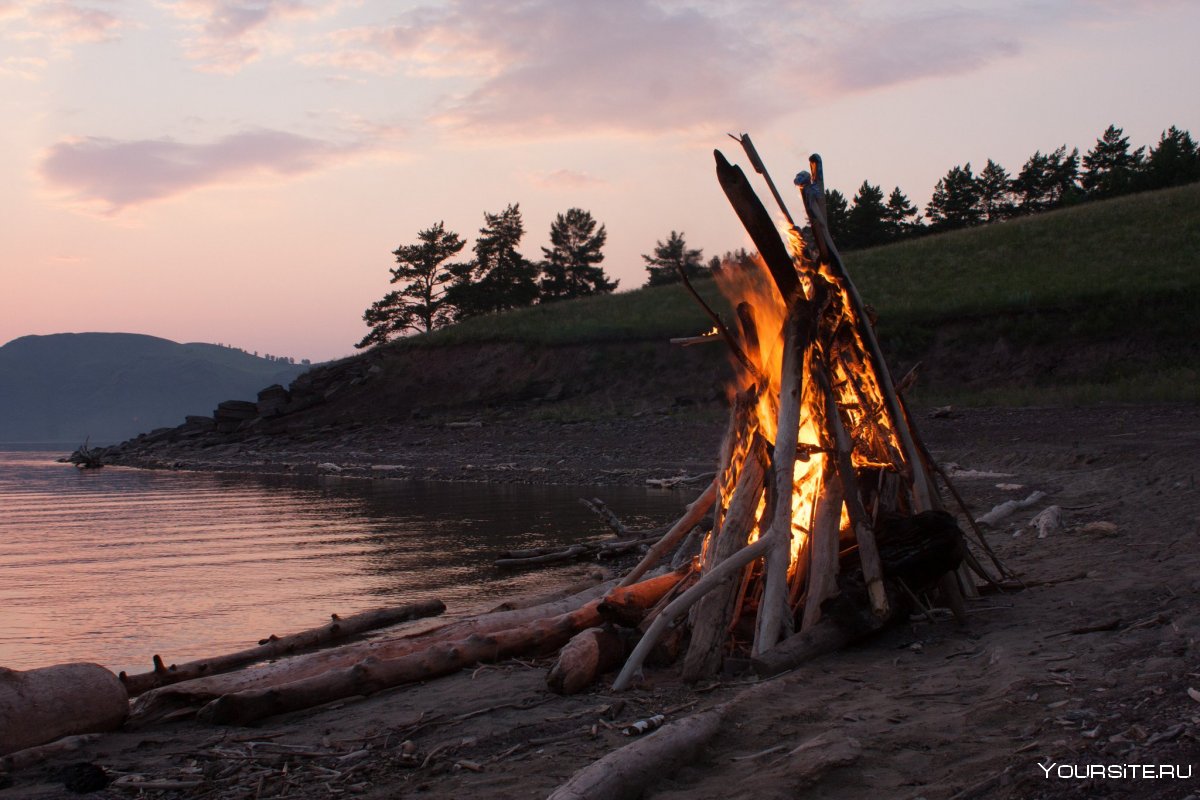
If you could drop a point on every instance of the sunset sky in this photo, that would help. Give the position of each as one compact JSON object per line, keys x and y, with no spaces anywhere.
{"x":239,"y":171}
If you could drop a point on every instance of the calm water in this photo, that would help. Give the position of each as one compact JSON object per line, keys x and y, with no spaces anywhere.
{"x":114,"y":565}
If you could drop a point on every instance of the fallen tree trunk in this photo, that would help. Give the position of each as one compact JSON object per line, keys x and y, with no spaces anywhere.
{"x":339,"y":629}
{"x":40,"y":705}
{"x":629,"y":771}
{"x":588,"y":655}
{"x":445,"y":657}
{"x":158,"y":703}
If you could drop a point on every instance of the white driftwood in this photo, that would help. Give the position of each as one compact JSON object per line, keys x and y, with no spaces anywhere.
{"x":625,"y":774}
{"x":717,"y":609}
{"x":1009,"y":507}
{"x":773,"y":616}
{"x":680,"y":605}
{"x":40,"y":705}
{"x":823,"y":549}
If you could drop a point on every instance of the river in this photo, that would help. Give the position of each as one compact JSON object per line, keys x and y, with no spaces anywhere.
{"x":115,"y":565}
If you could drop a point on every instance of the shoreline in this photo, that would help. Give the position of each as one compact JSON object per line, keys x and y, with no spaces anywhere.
{"x":933,"y":708}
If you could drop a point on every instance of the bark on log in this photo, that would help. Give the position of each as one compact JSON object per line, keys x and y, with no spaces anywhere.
{"x":627,"y":773}
{"x":713,"y":614}
{"x":371,"y":675}
{"x":338,"y":630}
{"x":691,"y":517}
{"x":40,"y":705}
{"x":158,"y":703}
{"x":626,"y":605}
{"x":588,"y":655}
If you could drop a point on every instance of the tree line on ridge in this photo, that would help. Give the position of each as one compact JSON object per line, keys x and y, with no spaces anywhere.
{"x":434,"y":291}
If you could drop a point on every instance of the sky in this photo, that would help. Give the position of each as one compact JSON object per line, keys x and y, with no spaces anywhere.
{"x":239,"y":171}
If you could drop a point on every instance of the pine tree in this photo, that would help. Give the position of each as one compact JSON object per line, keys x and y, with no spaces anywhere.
{"x":837,"y":212}
{"x":901,"y":216}
{"x":499,"y":278}
{"x":866,"y":225}
{"x":1048,"y":181}
{"x":955,"y":200}
{"x":571,"y":263}
{"x":1109,"y":169}
{"x":669,"y":258}
{"x":995,"y":193}
{"x":420,"y":304}
{"x":1174,"y":161}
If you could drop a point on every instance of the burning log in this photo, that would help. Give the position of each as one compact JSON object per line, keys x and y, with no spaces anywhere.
{"x":717,"y":610}
{"x":337,"y":630}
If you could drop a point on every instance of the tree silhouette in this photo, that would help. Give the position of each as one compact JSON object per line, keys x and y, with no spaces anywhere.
{"x":900,"y":215}
{"x":1048,"y":181}
{"x":1174,"y":161}
{"x":420,"y":304}
{"x":955,"y":200}
{"x":837,"y":211}
{"x":1109,"y":168}
{"x":995,"y":193}
{"x":866,"y":224}
{"x":669,"y":258}
{"x":499,"y":277}
{"x":571,"y":262}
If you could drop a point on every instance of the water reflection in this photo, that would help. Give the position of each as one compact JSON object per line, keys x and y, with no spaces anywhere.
{"x":116,"y":564}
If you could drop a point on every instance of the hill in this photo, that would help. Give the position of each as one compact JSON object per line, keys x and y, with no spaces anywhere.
{"x":109,"y":386}
{"x":1084,"y":305}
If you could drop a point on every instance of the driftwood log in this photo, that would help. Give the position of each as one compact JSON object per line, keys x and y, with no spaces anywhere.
{"x":373,"y":675}
{"x":585,"y":658}
{"x":159,"y":703}
{"x":40,"y":705}
{"x":339,"y":629}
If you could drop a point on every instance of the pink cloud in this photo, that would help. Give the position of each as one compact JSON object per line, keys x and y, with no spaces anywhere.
{"x":568,"y":179}
{"x":46,"y":29}
{"x":229,"y":34}
{"x":541,"y":68}
{"x":115,"y":175}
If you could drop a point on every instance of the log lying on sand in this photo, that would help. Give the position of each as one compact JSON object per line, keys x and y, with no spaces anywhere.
{"x":586,"y":657}
{"x":372,"y":675}
{"x":627,"y":772}
{"x":155,"y":705}
{"x":337,"y":630}
{"x":41,"y":705}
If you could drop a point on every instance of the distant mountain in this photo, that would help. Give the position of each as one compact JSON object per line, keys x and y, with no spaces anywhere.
{"x":110,"y":386}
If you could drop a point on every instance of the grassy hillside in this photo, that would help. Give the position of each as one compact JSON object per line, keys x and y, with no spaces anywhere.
{"x":1090,"y":303}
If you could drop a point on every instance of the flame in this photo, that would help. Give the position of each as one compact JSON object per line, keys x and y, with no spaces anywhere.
{"x":855,"y":387}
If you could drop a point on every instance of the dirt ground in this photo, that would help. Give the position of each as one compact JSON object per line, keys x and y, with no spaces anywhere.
{"x":1091,"y":664}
